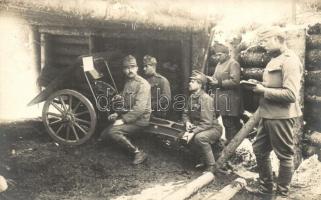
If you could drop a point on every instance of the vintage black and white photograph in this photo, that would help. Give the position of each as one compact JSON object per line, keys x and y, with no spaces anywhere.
{"x":160,"y":99}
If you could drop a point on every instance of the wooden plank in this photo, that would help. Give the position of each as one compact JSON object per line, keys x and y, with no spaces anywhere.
{"x":67,"y":39}
{"x":45,"y":49}
{"x":116,"y":33}
{"x":70,"y":50}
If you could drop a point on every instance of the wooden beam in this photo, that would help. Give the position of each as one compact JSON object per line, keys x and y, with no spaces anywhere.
{"x":191,"y":188}
{"x":45,"y":49}
{"x":116,"y":33}
{"x":229,"y":150}
{"x":228,"y":191}
{"x":186,"y":63}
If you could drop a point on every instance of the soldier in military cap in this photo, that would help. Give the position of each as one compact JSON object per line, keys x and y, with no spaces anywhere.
{"x":134,"y":115}
{"x":160,"y":88}
{"x":199,"y":117}
{"x":279,"y":106}
{"x":226,"y":81}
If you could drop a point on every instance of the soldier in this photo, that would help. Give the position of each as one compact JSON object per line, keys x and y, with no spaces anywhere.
{"x":279,"y":106}
{"x":160,"y":88}
{"x":135,"y":112}
{"x":228,"y":99}
{"x":199,"y":118}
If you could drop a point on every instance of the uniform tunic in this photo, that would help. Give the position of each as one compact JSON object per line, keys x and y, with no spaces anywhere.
{"x":278,"y":108}
{"x":160,"y":88}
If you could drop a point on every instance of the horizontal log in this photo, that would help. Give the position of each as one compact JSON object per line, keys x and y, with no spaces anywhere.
{"x":314,"y":41}
{"x":70,"y":50}
{"x":228,"y":191}
{"x":312,"y":90}
{"x":66,"y":39}
{"x":313,"y":57}
{"x":314,"y":29}
{"x":254,"y":59}
{"x":191,"y":188}
{"x":311,"y":67}
{"x":313,"y":98}
{"x":63,"y":60}
{"x":252,"y":73}
{"x":313,"y":77}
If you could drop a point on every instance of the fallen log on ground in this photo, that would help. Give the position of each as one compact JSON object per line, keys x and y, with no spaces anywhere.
{"x":228,"y":191}
{"x":237,"y":140}
{"x":191,"y":188}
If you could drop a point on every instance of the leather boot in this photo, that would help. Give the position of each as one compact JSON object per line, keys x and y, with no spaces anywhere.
{"x":209,"y":161}
{"x":265,"y":175}
{"x":284,"y":180}
{"x":124,"y":142}
{"x":140,"y":157}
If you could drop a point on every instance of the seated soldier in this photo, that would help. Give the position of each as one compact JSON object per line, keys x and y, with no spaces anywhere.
{"x":160,"y":88}
{"x":134,"y":115}
{"x":199,"y":118}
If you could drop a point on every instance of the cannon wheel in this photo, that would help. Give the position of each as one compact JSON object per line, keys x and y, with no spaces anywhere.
{"x":69,"y":117}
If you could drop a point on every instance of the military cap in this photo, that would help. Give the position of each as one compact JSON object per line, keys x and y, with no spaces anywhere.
{"x":149,"y":60}
{"x":199,"y":76}
{"x":129,"y":60}
{"x":220,"y":48}
{"x":270,"y":31}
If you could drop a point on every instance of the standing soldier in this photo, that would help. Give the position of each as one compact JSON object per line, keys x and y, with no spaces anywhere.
{"x":160,"y":88}
{"x":228,"y":99}
{"x":199,"y":118}
{"x":279,"y":106}
{"x":135,"y":110}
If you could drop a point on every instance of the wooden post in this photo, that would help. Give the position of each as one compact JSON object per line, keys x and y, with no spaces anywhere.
{"x":186,"y":63}
{"x":228,"y":191}
{"x":35,"y":43}
{"x":45,"y":50}
{"x":189,"y":189}
{"x":3,"y":184}
{"x":92,"y":44}
{"x":237,"y":140}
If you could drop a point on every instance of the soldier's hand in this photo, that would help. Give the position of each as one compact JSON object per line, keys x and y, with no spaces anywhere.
{"x":118,"y":122}
{"x":212,"y":81}
{"x":259,"y":88}
{"x":112,"y":117}
{"x":117,"y":97}
{"x":189,"y":126}
{"x":188,"y":136}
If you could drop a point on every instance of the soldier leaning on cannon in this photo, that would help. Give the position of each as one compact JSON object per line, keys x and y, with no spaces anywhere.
{"x":160,"y":88}
{"x":134,"y":114}
{"x":228,"y":100}
{"x":199,"y":117}
{"x":279,"y":106}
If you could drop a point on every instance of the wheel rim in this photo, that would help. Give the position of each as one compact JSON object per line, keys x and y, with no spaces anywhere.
{"x":69,"y":117}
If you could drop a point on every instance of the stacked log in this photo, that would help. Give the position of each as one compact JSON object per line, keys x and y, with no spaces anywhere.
{"x":312,"y":113}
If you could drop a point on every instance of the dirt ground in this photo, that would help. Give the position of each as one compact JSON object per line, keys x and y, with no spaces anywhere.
{"x":41,"y":169}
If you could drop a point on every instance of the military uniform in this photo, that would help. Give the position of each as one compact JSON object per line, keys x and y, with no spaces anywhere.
{"x":135,"y":113}
{"x":228,"y":99}
{"x":279,"y":106}
{"x":160,"y":88}
{"x":200,"y":112}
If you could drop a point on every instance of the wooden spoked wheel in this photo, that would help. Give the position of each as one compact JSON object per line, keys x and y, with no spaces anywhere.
{"x":69,"y":117}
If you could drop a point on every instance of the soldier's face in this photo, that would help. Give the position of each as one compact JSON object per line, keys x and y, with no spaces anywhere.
{"x":149,"y":69}
{"x":221,"y":57}
{"x":130,"y":71}
{"x":193,"y":85}
{"x":270,"y":44}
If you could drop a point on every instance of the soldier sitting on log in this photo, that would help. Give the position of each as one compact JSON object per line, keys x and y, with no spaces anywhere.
{"x":134,"y":114}
{"x":160,"y":88}
{"x":199,"y":118}
{"x":279,"y":106}
{"x":228,"y":99}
